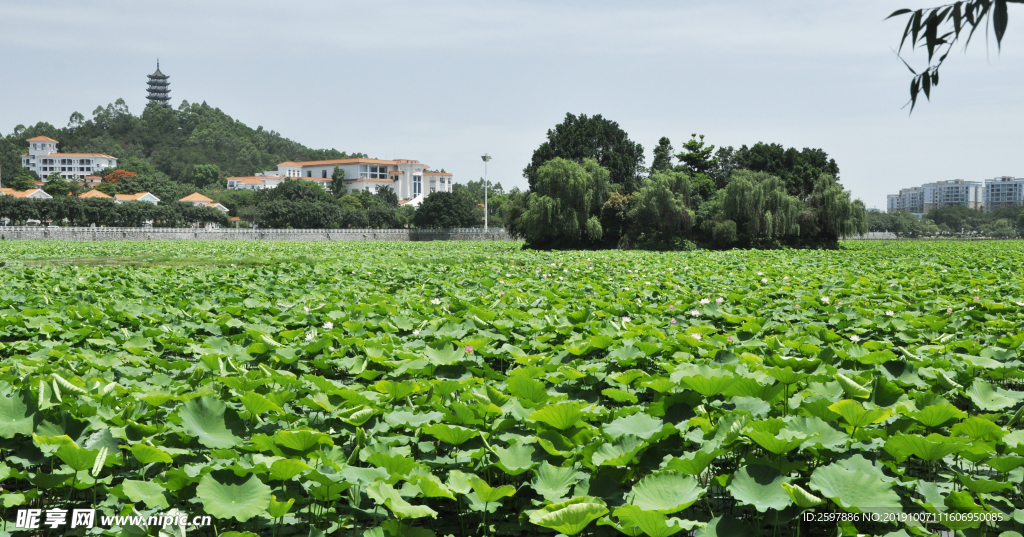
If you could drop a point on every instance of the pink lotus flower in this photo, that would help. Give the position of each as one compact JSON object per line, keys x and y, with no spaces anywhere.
{"x":671,"y":307}
{"x":975,"y":298}
{"x":719,"y":300}
{"x":729,"y":339}
{"x":469,"y":349}
{"x":949,"y":310}
{"x":673,"y":320}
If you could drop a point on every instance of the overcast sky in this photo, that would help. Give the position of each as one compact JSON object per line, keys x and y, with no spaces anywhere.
{"x":445,"y":82}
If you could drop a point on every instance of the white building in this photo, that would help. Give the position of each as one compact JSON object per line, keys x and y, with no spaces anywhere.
{"x":43,"y":158}
{"x":1003,"y":191}
{"x":34,"y":193}
{"x":909,"y":199}
{"x":141,"y":196}
{"x":410,"y":179}
{"x":955,"y":192}
{"x":200,"y":200}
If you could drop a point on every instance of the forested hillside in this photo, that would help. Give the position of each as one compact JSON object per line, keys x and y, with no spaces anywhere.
{"x":171,"y":141}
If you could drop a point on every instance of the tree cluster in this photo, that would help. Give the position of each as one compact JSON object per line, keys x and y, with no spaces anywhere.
{"x":589,"y":189}
{"x":104,"y":212}
{"x":1001,"y":223}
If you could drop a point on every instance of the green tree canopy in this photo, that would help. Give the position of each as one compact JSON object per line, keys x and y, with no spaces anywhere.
{"x":581,"y":137}
{"x":564,"y":207}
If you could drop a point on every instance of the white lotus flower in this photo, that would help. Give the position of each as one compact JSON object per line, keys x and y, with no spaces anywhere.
{"x":328,"y":325}
{"x":705,"y":301}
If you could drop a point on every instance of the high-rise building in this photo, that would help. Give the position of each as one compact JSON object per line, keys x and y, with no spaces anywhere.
{"x":159,"y":88}
{"x":1003,"y":191}
{"x":952,"y":193}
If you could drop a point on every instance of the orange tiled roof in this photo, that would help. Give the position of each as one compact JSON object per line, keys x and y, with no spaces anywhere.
{"x":235,"y":218}
{"x":251,"y":181}
{"x":94,"y":194}
{"x":130,"y":197}
{"x":338,"y":161}
{"x":395,"y":172}
{"x":195,"y":196}
{"x":19,"y":193}
{"x":41,"y":139}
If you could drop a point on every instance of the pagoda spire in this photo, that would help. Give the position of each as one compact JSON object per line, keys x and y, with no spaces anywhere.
{"x":159,"y":88}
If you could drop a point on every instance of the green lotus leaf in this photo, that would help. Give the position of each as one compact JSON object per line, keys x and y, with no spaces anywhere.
{"x":79,"y":459}
{"x":515,"y":459}
{"x":452,"y":434}
{"x":852,"y":387}
{"x":430,"y":486}
{"x":553,"y":482}
{"x":357,"y":415}
{"x":977,"y":428}
{"x":152,"y":494}
{"x":619,"y":396}
{"x":853,"y":490}
{"x":989,"y":398}
{"x":386,"y":495}
{"x":640,"y":425}
{"x":285,"y":469}
{"x":561,"y":416}
{"x":211,"y":422}
{"x":936,"y":415}
{"x":708,"y":386}
{"x":445,"y":356}
{"x":692,"y":463}
{"x":801,"y":497}
{"x":488,"y":494}
{"x":530,"y":392}
{"x":363,"y":476}
{"x":773,"y":444}
{"x":401,"y":418}
{"x":634,"y":521}
{"x":17,"y":415}
{"x":571,"y":516}
{"x":303,"y":440}
{"x":621,"y":452}
{"x":225,"y":495}
{"x":931,"y":448}
{"x":257,"y":404}
{"x":984,"y":486}
{"x":148,"y":454}
{"x":665,"y":492}
{"x":856,"y":415}
{"x":278,"y":509}
{"x":760,"y":486}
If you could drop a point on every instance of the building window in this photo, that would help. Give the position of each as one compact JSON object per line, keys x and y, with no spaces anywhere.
{"x":309,"y":173}
{"x":323,"y":174}
{"x":373,"y":172}
{"x":417,"y":185}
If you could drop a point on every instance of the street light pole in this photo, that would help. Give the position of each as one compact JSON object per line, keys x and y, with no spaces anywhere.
{"x":486,"y":158}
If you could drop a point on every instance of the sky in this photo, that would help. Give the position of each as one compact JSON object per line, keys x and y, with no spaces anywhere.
{"x":446,"y":82}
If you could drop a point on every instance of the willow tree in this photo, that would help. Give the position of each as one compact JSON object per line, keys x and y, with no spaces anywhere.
{"x":836,"y":215}
{"x":562,"y":209}
{"x":659,"y":212}
{"x":761,"y":208}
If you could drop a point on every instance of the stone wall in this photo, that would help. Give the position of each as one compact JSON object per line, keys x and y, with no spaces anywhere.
{"x":179,"y":234}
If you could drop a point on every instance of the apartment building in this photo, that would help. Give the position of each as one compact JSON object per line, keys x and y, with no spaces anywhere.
{"x":955,"y":192}
{"x":43,"y":158}
{"x":1003,"y":191}
{"x":909,"y":199}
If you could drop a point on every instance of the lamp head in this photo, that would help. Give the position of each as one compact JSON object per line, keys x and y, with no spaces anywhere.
{"x":486,"y":158}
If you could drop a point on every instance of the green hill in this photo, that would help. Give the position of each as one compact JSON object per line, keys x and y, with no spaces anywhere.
{"x":171,"y":141}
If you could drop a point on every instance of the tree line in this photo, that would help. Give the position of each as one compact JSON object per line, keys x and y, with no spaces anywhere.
{"x":1001,"y":223}
{"x":588,"y":188}
{"x":104,"y":212}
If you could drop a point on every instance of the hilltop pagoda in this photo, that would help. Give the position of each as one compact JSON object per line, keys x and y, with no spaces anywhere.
{"x":159,"y":88}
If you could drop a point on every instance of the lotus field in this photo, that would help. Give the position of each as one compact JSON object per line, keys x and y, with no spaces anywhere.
{"x":464,"y":389}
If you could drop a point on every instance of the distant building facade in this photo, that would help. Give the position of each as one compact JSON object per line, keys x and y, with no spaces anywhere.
{"x":1004,"y":191}
{"x":411,"y":180}
{"x":981,"y":196}
{"x":955,"y":192}
{"x":43,"y":158}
